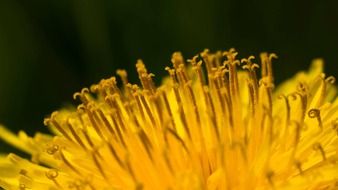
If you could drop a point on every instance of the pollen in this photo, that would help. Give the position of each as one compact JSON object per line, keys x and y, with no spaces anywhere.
{"x":215,"y":122}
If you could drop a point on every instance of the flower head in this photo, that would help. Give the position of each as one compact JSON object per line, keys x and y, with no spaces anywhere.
{"x":210,"y":125}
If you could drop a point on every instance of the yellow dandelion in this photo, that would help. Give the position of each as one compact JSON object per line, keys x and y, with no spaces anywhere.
{"x":210,"y":125}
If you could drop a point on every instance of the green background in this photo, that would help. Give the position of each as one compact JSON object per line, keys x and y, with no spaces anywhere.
{"x":51,"y":48}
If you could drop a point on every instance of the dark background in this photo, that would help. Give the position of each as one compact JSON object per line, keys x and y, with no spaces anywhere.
{"x":51,"y":48}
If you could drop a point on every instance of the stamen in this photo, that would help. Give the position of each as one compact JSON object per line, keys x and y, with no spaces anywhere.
{"x":167,"y":161}
{"x":123,"y":75}
{"x":111,"y":99}
{"x":287,"y":104}
{"x":136,"y":95}
{"x":266,"y":60}
{"x":233,"y":79}
{"x":197,"y":68}
{"x":267,"y":76}
{"x":98,"y":165}
{"x":234,"y":96}
{"x":138,"y":185}
{"x":270,"y":127}
{"x":172,"y":75}
{"x":88,"y":139}
{"x":156,"y":101}
{"x":318,"y":147}
{"x":52,"y":120}
{"x":194,"y":102}
{"x":210,"y":104}
{"x":269,"y":176}
{"x":177,"y":59}
{"x":251,"y":67}
{"x":184,"y":121}
{"x":89,"y":110}
{"x":180,"y":107}
{"x":147,"y":108}
{"x":118,"y":130}
{"x":216,"y":87}
{"x":52,"y":174}
{"x":146,"y":143}
{"x":82,"y":95}
{"x":166,"y":103}
{"x":302,"y":92}
{"x":206,"y":59}
{"x":67,"y":162}
{"x":177,"y":137}
{"x":297,"y":132}
{"x":330,"y":79}
{"x":74,"y":133}
{"x":268,"y":91}
{"x":52,"y":149}
{"x":105,"y":121}
{"x":252,"y":98}
{"x":114,"y":88}
{"x":22,"y":186}
{"x":335,"y":125}
{"x":115,"y":155}
{"x":315,"y":113}
{"x":298,"y":165}
{"x":23,"y":172}
{"x":242,"y":149}
{"x":323,"y":88}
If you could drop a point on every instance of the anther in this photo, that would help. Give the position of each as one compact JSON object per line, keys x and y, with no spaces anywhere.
{"x":315,"y":113}
{"x":318,"y":147}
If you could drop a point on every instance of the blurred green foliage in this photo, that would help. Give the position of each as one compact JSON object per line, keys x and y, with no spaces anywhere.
{"x":50,"y":49}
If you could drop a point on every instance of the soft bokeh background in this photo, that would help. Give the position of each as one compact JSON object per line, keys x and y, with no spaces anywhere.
{"x":51,"y":48}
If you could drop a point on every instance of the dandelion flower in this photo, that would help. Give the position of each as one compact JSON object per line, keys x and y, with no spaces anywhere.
{"x":212,"y":124}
